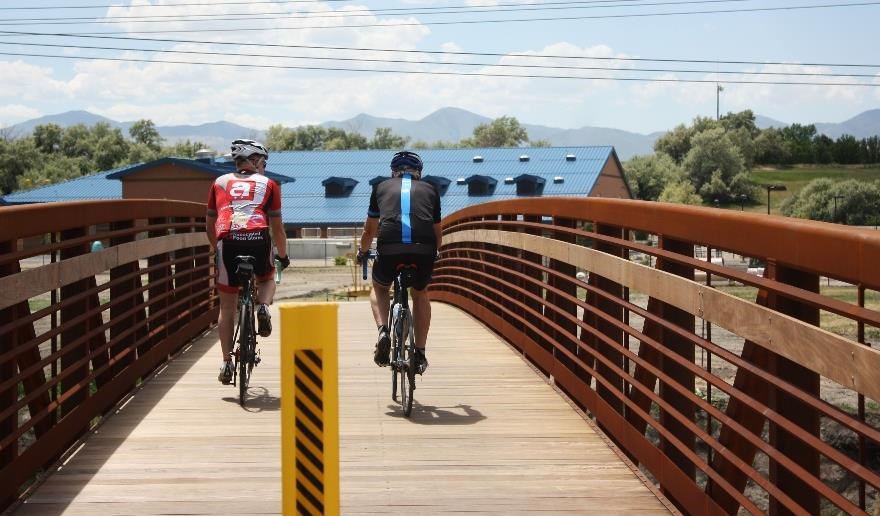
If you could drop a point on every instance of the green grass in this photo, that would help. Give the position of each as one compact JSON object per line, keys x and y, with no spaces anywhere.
{"x":796,"y":178}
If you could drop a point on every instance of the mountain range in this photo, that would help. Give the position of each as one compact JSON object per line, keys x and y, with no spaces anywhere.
{"x":447,"y":124}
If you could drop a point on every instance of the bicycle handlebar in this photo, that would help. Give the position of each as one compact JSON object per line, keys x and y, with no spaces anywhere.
{"x":371,"y":255}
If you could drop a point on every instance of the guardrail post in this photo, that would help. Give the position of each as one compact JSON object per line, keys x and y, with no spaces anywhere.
{"x":309,"y":409}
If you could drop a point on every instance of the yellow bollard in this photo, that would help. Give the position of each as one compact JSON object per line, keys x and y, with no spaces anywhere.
{"x":309,"y":409}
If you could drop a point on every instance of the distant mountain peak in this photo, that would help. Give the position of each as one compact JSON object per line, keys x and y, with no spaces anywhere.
{"x":449,"y":124}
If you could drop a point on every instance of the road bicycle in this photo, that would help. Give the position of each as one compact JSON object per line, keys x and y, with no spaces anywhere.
{"x":404,"y":363}
{"x":246,"y":355}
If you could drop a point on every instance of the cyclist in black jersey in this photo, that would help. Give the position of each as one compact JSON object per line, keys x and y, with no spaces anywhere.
{"x":404,"y":213}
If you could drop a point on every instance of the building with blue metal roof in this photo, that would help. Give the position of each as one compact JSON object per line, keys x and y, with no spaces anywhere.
{"x":322,"y":189}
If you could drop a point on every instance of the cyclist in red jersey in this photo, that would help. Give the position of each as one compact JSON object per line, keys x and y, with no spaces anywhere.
{"x":243,"y":208}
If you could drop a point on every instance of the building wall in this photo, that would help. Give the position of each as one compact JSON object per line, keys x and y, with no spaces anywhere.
{"x":610,"y":182}
{"x":168,"y":181}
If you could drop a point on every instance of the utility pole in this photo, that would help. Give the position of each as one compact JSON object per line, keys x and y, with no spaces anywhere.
{"x":718,"y":89}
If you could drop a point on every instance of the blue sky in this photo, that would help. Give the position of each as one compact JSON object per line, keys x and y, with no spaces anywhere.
{"x":258,"y":97}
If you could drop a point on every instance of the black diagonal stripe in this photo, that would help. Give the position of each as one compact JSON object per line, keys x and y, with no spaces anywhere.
{"x":312,"y":357}
{"x":301,"y":509}
{"x":301,"y":407}
{"x":315,"y":357}
{"x":300,"y":467}
{"x":302,"y":388}
{"x":308,"y":433}
{"x":304,"y":367}
{"x":305,"y":492}
{"x":302,"y":448}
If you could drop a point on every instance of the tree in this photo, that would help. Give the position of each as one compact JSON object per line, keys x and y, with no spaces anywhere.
{"x":145,"y":132}
{"x":676,"y":143}
{"x":846,"y":150}
{"x":649,"y":175}
{"x":47,"y":137}
{"x":16,"y":158}
{"x":850,"y":202}
{"x":823,"y":149}
{"x":744,"y":120}
{"x":799,"y":139}
{"x":680,"y":192}
{"x":501,"y":132}
{"x":771,"y":149}
{"x":385,"y":139}
{"x":713,"y":162}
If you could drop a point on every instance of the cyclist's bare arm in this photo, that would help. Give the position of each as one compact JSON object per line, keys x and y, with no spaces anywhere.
{"x":438,"y":234}
{"x":371,"y":226}
{"x":278,"y":235}
{"x":210,"y":229}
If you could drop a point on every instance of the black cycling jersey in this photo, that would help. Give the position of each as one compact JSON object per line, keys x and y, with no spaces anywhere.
{"x":407,"y":210}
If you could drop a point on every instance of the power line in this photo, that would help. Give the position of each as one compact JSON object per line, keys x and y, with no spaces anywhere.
{"x":187,"y":4}
{"x":434,"y":72}
{"x":215,"y":4}
{"x":516,"y":20}
{"x":409,"y":11}
{"x":446,"y":63}
{"x":441,"y":52}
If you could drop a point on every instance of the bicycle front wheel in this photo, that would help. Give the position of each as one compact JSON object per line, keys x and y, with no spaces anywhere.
{"x":246,"y":349}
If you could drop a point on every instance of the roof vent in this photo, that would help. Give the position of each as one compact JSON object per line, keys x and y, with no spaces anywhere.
{"x":440,"y":183}
{"x":481,"y":185}
{"x":335,"y":187}
{"x":527,"y":184}
{"x":508,"y":180}
{"x":205,"y":156}
{"x":570,"y":157}
{"x":524,"y":158}
{"x":478,"y":159}
{"x":461,"y":181}
{"x":558,"y":179}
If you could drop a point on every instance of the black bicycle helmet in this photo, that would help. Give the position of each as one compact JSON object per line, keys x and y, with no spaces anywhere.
{"x":406,"y":159}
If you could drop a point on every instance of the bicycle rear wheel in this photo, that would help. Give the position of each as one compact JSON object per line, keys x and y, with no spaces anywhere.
{"x":405,"y":371}
{"x":247,"y":344}
{"x":396,"y":332}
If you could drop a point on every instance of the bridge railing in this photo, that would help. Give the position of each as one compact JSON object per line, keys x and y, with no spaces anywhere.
{"x":727,"y":392}
{"x":93,"y":297}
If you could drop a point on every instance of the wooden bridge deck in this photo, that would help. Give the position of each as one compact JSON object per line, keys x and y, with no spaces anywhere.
{"x":487,"y":435}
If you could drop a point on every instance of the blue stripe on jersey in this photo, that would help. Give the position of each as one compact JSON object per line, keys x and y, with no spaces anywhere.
{"x":405,"y":228}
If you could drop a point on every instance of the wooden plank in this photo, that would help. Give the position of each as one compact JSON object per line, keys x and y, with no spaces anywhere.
{"x":39,"y":280}
{"x":845,"y":361}
{"x":487,"y":435}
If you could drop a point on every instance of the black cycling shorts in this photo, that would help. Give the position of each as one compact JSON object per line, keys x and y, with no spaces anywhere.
{"x":385,"y":268}
{"x":227,"y":250}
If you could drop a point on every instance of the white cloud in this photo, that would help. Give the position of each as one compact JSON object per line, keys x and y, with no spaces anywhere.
{"x":24,"y":81}
{"x":14,"y":113}
{"x":259,"y":97}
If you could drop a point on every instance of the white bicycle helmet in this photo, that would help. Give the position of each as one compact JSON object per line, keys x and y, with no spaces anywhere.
{"x":244,"y":149}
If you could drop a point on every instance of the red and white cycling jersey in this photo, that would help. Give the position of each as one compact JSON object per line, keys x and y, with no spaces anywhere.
{"x":243,"y":203}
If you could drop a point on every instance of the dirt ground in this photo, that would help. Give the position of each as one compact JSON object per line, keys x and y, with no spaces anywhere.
{"x":315,"y":281}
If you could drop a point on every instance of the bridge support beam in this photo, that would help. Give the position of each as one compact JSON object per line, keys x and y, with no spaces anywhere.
{"x":615,"y":334}
{"x":786,"y":405}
